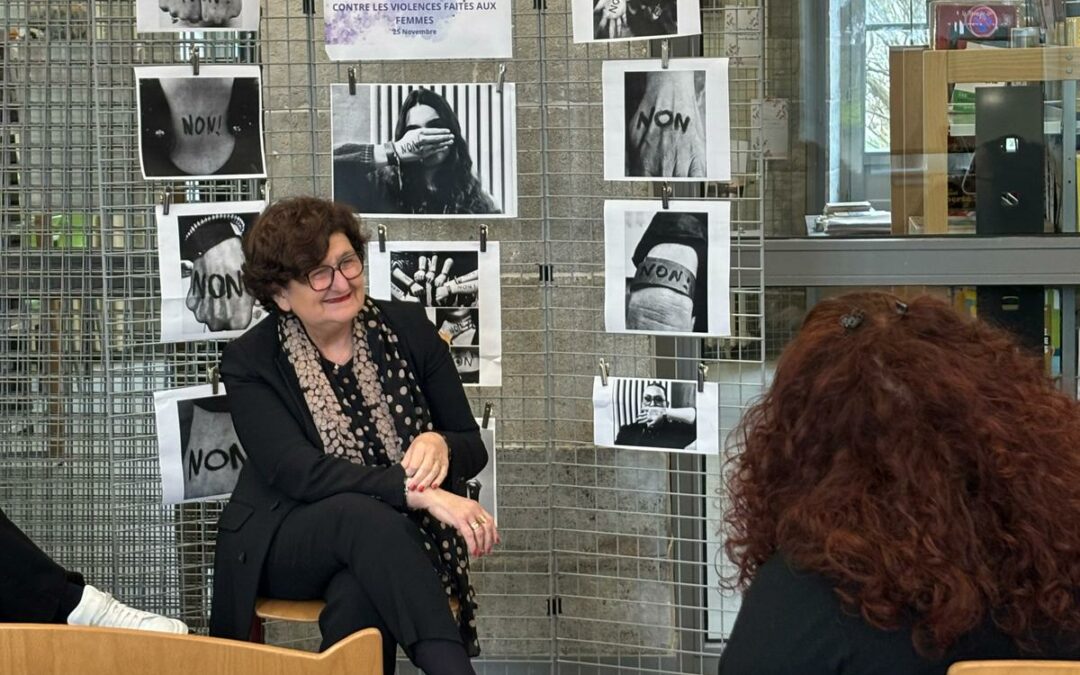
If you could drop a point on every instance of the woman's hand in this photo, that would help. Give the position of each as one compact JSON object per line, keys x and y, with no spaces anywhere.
{"x":426,"y":462}
{"x":612,"y":17}
{"x":419,"y":144}
{"x":475,"y":524}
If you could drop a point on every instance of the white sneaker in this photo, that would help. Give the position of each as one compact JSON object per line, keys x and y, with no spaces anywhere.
{"x":98,"y":608}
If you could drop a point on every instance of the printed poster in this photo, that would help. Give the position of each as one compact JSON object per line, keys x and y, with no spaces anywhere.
{"x":459,"y":287}
{"x":401,"y":30}
{"x":667,"y":271}
{"x":200,"y":261}
{"x":198,"y":450}
{"x":656,"y":414}
{"x":200,"y":126}
{"x":667,"y":124}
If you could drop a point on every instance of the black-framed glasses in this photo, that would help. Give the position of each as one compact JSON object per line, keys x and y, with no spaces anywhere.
{"x":657,"y":401}
{"x":322,"y":277}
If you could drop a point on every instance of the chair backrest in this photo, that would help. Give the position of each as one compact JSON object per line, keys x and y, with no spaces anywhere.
{"x":1015,"y":668}
{"x":39,"y":649}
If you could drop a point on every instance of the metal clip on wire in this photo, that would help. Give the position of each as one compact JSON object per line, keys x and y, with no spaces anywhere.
{"x":194,"y":62}
{"x":702,"y":371}
{"x":483,"y":238}
{"x":665,"y":194}
{"x":166,"y":202}
{"x":214,"y":375}
{"x":382,"y":238}
{"x":665,"y":54}
{"x":502,"y":78}
{"x":352,"y":81}
{"x":487,"y":415}
{"x":603,"y":372}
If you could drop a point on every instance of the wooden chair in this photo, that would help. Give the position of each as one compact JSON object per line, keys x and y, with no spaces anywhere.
{"x":1015,"y":668}
{"x":48,"y":649}
{"x":302,"y":611}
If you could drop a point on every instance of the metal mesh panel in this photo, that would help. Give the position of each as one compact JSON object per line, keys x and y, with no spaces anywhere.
{"x":623,"y":539}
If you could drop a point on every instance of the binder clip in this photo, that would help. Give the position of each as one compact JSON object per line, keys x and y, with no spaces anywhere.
{"x":483,"y":238}
{"x":702,"y":371}
{"x":382,"y":238}
{"x":502,"y":78}
{"x":352,"y":81}
{"x":194,"y":62}
{"x":214,"y":375}
{"x":603,"y":372}
{"x":166,"y":202}
{"x":487,"y":415}
{"x":665,"y":54}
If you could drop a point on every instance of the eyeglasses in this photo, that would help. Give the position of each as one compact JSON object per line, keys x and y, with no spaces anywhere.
{"x":654,"y":400}
{"x":322,"y":277}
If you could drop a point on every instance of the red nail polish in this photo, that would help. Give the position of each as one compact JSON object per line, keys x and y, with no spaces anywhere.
{"x":421,"y":488}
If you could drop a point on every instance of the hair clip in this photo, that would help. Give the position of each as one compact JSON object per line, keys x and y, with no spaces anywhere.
{"x":852,"y":320}
{"x":901,"y":308}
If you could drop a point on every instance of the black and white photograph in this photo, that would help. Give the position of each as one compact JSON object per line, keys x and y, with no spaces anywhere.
{"x":174,"y":16}
{"x":606,"y":20}
{"x":656,"y":414}
{"x":200,"y":259}
{"x":484,"y":485}
{"x":200,"y":126}
{"x":199,"y":453}
{"x":425,"y":151}
{"x":667,"y":270}
{"x":460,"y":288}
{"x":467,"y":362}
{"x":435,"y":278}
{"x":667,"y":123}
{"x":458,"y":326}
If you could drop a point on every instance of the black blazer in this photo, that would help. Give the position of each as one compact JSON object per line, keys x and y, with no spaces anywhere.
{"x":286,"y":464}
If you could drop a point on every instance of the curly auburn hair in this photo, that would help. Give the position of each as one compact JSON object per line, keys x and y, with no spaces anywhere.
{"x":922,"y":462}
{"x":289,"y":238}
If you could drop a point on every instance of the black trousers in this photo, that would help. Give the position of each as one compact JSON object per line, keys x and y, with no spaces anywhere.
{"x":33,"y":588}
{"x":367,"y":561}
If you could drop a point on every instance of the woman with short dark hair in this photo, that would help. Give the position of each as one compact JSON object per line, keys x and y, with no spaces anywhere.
{"x":906,"y":495}
{"x":359,"y":440}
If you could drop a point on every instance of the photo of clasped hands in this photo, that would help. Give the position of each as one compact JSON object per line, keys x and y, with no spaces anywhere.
{"x":434,"y":287}
{"x":206,"y":13}
{"x":426,"y":464}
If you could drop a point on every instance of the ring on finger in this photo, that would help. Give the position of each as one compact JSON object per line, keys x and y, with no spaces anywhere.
{"x":474,"y":526}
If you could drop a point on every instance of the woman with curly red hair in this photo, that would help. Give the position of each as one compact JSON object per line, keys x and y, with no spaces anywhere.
{"x":906,"y":495}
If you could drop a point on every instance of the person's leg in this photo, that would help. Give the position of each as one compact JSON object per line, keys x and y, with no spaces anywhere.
{"x":33,"y":587}
{"x":381,"y":549}
{"x":348,"y":609}
{"x":441,"y":656}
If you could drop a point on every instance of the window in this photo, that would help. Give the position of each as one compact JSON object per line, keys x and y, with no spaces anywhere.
{"x":888,"y":23}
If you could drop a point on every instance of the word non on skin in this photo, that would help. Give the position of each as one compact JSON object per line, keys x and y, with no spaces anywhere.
{"x":202,"y":125}
{"x":663,"y":272}
{"x":663,"y":119}
{"x":215,"y":460}
{"x":218,"y":285}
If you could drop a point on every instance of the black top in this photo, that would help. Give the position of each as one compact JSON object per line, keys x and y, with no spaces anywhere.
{"x":792,"y":622}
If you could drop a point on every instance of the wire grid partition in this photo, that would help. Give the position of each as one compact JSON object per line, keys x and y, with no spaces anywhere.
{"x":636,"y":533}
{"x":606,"y":555}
